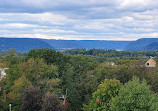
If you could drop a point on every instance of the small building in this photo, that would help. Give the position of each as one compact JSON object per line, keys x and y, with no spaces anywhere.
{"x":3,"y":73}
{"x":111,"y":63}
{"x":150,"y":63}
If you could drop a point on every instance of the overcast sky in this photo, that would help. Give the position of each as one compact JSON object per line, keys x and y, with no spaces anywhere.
{"x":79,"y":19}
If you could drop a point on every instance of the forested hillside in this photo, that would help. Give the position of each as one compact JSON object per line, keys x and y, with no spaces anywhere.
{"x":26,"y":44}
{"x":78,"y":80}
{"x":144,"y":44}
{"x":152,"y":46}
{"x":22,"y":44}
{"x":88,"y":44}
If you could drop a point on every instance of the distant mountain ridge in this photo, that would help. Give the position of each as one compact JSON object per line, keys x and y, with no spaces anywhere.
{"x":26,"y":44}
{"x":22,"y":44}
{"x":87,"y":44}
{"x":144,"y":44}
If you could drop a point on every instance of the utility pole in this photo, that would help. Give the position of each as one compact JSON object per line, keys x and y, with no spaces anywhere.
{"x":10,"y":107}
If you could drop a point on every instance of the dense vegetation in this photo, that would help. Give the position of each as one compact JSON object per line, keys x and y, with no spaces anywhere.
{"x":80,"y":79}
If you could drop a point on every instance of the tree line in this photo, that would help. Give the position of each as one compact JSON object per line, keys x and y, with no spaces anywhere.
{"x":49,"y":80}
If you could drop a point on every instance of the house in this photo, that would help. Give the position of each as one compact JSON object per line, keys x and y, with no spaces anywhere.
{"x":150,"y":63}
{"x":3,"y":73}
{"x":111,"y":63}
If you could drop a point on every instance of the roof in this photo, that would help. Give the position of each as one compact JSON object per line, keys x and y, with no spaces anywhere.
{"x":151,"y":61}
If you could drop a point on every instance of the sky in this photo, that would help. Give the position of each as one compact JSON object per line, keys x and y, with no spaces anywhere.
{"x":79,"y":19}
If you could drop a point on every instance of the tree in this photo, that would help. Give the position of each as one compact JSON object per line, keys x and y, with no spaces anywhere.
{"x":51,"y":103}
{"x":9,"y":54}
{"x":20,"y":84}
{"x":32,"y":99}
{"x":133,"y":96}
{"x":152,"y":78}
{"x":154,"y":106}
{"x":50,"y":57}
{"x":102,"y":98}
{"x":74,"y":80}
{"x":37,"y":69}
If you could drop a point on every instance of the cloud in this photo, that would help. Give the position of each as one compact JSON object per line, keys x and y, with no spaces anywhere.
{"x":138,"y":5}
{"x":17,"y":26}
{"x":69,"y":19}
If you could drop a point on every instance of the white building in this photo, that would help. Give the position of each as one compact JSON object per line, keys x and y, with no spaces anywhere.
{"x":3,"y":73}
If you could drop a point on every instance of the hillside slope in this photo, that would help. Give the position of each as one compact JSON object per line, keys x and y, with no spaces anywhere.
{"x":26,"y":44}
{"x":22,"y":44}
{"x":87,"y":44}
{"x":142,"y":44}
{"x":152,"y":47}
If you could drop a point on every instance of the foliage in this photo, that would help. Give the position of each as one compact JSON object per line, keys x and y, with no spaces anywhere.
{"x":152,"y":78}
{"x":20,"y":84}
{"x":154,"y":100}
{"x":51,"y":103}
{"x":50,"y":57}
{"x":111,"y":53}
{"x":102,"y":98}
{"x":20,"y":76}
{"x":32,"y":99}
{"x":16,"y":93}
{"x":73,"y":74}
{"x":133,"y":96}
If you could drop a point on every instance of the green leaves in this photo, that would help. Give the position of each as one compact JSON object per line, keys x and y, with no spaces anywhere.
{"x":20,"y":84}
{"x":102,"y":98}
{"x":133,"y":96}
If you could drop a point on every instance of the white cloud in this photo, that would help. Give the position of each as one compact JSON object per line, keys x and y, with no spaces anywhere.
{"x":17,"y":25}
{"x":138,"y":4}
{"x":90,"y":19}
{"x":52,"y":31}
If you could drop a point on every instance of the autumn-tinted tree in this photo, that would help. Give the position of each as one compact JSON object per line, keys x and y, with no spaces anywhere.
{"x":34,"y":70}
{"x":51,"y":103}
{"x":102,"y":98}
{"x":14,"y":96}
